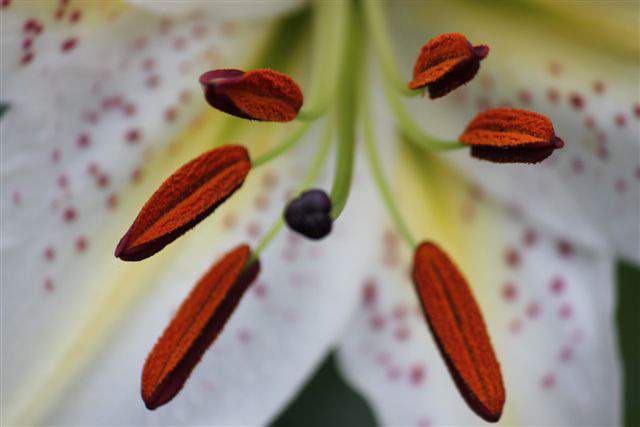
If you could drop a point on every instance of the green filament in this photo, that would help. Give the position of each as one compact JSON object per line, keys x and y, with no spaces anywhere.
{"x":346,"y":114}
{"x":378,"y":174}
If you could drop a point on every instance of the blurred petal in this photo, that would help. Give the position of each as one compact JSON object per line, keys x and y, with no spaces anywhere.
{"x":547,"y":302}
{"x":280,"y":331}
{"x":221,"y":10}
{"x":91,"y":132}
{"x":593,"y":183}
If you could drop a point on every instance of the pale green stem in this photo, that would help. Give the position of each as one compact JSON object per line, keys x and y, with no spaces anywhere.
{"x":329,"y":29}
{"x":346,"y":115}
{"x":289,"y":142}
{"x":381,"y":43}
{"x":378,"y":174}
{"x":412,"y":130}
{"x":312,"y":174}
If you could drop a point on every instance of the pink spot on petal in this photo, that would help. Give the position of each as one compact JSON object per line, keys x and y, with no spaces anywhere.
{"x":69,"y":215}
{"x":75,"y":16}
{"x":369,"y":293}
{"x":533,"y":310}
{"x":48,"y":285}
{"x":565,"y":311}
{"x":49,"y":253}
{"x":26,"y":58}
{"x":83,"y":140}
{"x":132,"y":136}
{"x":170,"y":114}
{"x":621,"y":120}
{"x":553,"y":95}
{"x":529,"y":238}
{"x":401,"y":334}
{"x":564,"y":248}
{"x":260,"y":290}
{"x":577,"y":165}
{"x":400,"y":312}
{"x":512,"y":258}
{"x":515,"y":325}
{"x":525,"y":98}
{"x":394,"y":373}
{"x":55,"y":155}
{"x":254,"y":230}
{"x":81,"y":244}
{"x":598,"y":87}
{"x":153,"y":81}
{"x":112,"y":201}
{"x":566,"y":354}
{"x":16,"y":197}
{"x":509,"y":292}
{"x":557,"y":286}
{"x":417,"y":375}
{"x":577,"y":101}
{"x":244,"y":336}
{"x":555,"y":68}
{"x":376,"y":322}
{"x":548,"y":381}
{"x":68,"y":44}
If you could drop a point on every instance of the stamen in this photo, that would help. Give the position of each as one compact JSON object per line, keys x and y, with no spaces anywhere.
{"x":184,"y":199}
{"x":262,"y":94}
{"x":196,"y":325}
{"x":459,"y":330}
{"x":509,"y":135}
{"x":446,"y":63}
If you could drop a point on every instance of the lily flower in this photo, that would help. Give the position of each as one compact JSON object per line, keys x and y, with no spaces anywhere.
{"x":102,"y":104}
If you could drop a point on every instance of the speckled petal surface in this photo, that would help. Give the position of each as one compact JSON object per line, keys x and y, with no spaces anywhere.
{"x":547,"y":303}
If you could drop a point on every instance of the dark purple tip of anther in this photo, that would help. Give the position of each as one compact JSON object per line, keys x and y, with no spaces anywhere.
{"x":558,"y":142}
{"x":309,"y":214}
{"x":481,"y":51}
{"x":217,"y":76}
{"x":213,"y":83}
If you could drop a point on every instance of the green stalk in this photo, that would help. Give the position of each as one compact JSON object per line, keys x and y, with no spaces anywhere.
{"x":412,"y":130}
{"x":381,"y":43}
{"x":289,"y":142}
{"x":346,"y":113}
{"x":376,"y":170}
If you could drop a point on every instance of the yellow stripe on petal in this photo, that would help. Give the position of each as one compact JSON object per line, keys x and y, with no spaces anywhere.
{"x":124,"y":285}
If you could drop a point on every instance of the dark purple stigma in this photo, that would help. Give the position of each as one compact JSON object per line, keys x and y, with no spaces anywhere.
{"x":309,"y":214}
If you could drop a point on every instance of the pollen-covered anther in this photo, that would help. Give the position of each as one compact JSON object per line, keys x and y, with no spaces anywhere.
{"x":445,"y":63}
{"x":510,"y":135}
{"x":188,"y":196}
{"x":264,"y":95}
{"x":195,"y":326}
{"x":309,"y":214}
{"x":459,"y":330}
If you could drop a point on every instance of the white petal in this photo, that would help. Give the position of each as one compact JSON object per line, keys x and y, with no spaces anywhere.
{"x":283,"y":327}
{"x":549,"y":314}
{"x":591,"y":96}
{"x":83,"y":320}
